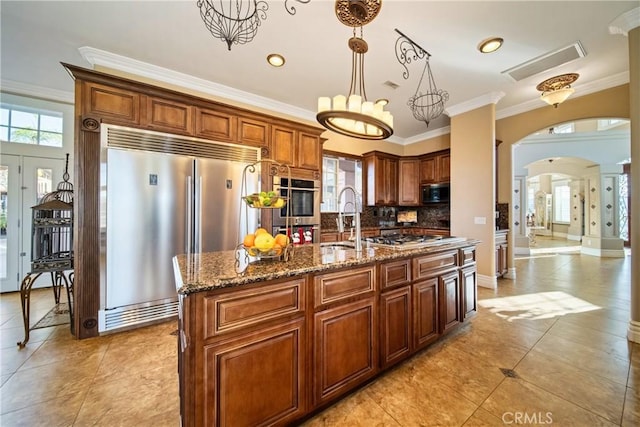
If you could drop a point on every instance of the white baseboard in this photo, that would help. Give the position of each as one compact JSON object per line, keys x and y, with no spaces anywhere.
{"x":490,"y":282}
{"x":510,"y":274}
{"x":633,"y":333}
{"x":603,"y":253}
{"x":575,"y":237}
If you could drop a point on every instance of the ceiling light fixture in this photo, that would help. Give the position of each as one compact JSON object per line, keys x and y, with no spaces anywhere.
{"x":236,"y":21}
{"x":353,"y":115}
{"x":490,"y":45}
{"x":275,"y":59}
{"x":428,"y":101}
{"x":556,"y":90}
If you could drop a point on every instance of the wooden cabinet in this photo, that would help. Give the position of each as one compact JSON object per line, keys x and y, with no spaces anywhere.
{"x":380,"y":171}
{"x":253,"y":132}
{"x":169,"y":116}
{"x":408,"y":182}
{"x":395,"y":325}
{"x":256,"y":379}
{"x":501,"y":252}
{"x":425,"y":312}
{"x":345,"y":331}
{"x":111,"y":103}
{"x":469,"y":289}
{"x":217,"y":125}
{"x":450,"y":302}
{"x":296,"y":148}
{"x":435,"y":167}
{"x":331,"y":236}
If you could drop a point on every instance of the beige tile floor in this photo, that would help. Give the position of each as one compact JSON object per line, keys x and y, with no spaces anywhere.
{"x":559,"y":328}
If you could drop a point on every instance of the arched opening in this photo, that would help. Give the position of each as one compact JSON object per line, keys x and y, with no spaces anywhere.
{"x":573,"y":186}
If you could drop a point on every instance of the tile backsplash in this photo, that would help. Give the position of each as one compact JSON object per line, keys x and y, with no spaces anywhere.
{"x":428,"y":216}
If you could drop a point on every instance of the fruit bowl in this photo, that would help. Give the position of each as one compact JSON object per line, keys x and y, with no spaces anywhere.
{"x":264,"y":253}
{"x":258,"y":201}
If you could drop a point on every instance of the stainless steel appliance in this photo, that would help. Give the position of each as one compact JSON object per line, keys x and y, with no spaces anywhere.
{"x":163,"y":195}
{"x":409,"y":241}
{"x":435,"y":193}
{"x":303,"y":201}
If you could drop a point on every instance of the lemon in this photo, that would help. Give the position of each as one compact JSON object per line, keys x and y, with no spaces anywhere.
{"x":264,"y":242}
{"x":279,"y":203}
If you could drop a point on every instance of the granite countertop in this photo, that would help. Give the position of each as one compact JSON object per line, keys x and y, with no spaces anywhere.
{"x":216,"y":270}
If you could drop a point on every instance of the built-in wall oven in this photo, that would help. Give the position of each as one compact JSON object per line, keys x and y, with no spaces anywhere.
{"x":303,"y":201}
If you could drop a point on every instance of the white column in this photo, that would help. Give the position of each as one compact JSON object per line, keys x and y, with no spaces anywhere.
{"x":577,"y":210}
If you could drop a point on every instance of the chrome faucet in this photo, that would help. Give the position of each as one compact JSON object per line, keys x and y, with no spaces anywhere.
{"x":356,"y":215}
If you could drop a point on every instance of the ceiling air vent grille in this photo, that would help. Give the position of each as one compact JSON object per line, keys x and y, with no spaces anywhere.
{"x":546,"y":62}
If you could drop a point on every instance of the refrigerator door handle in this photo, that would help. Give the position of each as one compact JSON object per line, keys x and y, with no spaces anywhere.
{"x":198,"y":216}
{"x":189,"y":225}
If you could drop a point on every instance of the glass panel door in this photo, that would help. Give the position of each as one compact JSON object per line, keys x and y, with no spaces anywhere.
{"x":10,"y":208}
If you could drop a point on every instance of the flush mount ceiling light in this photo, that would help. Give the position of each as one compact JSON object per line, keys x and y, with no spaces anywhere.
{"x":490,"y":45}
{"x":353,"y":115}
{"x":556,"y":90}
{"x":236,"y":21}
{"x":275,"y":59}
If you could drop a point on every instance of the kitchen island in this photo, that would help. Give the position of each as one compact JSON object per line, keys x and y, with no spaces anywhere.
{"x":270,"y":342}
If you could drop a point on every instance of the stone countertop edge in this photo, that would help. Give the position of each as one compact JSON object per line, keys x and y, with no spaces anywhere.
{"x":218,"y":270}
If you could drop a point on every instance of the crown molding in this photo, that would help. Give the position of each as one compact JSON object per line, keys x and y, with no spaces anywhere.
{"x":40,"y":92}
{"x":581,"y":90}
{"x":625,"y":22}
{"x":133,"y":66}
{"x":472,"y":104}
{"x":427,"y":135}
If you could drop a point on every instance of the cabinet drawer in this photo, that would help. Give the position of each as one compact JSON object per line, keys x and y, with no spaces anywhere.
{"x":240,"y":309}
{"x":430,"y":265}
{"x":332,"y":287}
{"x":467,"y":256}
{"x":395,"y":273}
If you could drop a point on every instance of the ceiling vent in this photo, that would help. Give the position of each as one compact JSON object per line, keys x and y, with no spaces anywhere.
{"x":546,"y":62}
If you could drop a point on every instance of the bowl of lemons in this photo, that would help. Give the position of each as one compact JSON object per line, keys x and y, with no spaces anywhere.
{"x":261,"y":244}
{"x":265,"y":199}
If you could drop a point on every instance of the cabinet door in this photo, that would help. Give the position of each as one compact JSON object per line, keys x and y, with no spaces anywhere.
{"x":238,"y":373}
{"x":428,"y":170}
{"x":169,"y":116}
{"x":253,"y":132}
{"x":395,"y":325}
{"x":391,"y":181}
{"x":309,"y":152}
{"x":444,"y":167}
{"x":450,"y":307}
{"x":215,"y":125}
{"x":118,"y":105}
{"x":283,"y":141}
{"x":344,"y":341}
{"x":408,"y":194}
{"x":425,"y":312}
{"x":469,"y":290}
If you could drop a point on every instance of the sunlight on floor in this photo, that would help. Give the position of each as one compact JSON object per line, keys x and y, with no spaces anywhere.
{"x":541,"y":305}
{"x":561,"y":249}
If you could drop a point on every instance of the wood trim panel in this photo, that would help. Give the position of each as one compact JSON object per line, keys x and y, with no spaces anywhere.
{"x":430,"y":265}
{"x":395,"y":273}
{"x":239,"y":309}
{"x":333,"y":287}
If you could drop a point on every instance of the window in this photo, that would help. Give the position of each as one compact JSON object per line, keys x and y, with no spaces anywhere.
{"x":338,"y":172}
{"x":24,"y":126}
{"x":562,"y":203}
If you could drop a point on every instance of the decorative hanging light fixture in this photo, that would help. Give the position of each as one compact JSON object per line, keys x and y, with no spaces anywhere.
{"x":556,"y":90}
{"x":236,"y":21}
{"x":428,"y":102}
{"x":353,"y":115}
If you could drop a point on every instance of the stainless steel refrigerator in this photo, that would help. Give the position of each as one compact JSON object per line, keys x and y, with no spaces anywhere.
{"x":164,"y":195}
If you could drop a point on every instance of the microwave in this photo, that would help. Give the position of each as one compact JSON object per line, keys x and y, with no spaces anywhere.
{"x":435,"y":193}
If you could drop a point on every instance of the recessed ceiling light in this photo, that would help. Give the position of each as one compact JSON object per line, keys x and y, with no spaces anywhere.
{"x":275,"y":59}
{"x":490,"y":45}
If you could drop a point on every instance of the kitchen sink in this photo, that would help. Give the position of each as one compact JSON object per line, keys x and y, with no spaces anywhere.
{"x":337,"y":245}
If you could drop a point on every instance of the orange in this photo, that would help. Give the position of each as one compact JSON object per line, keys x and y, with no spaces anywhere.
{"x":248,"y":240}
{"x":277,"y":249}
{"x":259,"y":231}
{"x":282,"y":240}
